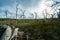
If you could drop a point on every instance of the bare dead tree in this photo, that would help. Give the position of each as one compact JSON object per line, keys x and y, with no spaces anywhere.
{"x":23,"y":14}
{"x":58,"y":14}
{"x":45,"y":14}
{"x":6,"y":12}
{"x":52,"y":16}
{"x":55,"y":7}
{"x":17,"y":4}
{"x":35,"y":15}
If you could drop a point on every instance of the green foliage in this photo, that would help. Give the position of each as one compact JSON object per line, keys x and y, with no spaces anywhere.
{"x":40,"y":29}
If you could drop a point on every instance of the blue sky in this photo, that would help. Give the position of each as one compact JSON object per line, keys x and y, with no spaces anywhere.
{"x":24,"y":4}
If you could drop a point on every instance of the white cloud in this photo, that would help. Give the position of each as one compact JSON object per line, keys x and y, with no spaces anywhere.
{"x":45,"y":5}
{"x":39,"y":9}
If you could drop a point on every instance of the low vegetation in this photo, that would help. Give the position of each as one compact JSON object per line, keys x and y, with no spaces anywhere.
{"x":39,"y":29}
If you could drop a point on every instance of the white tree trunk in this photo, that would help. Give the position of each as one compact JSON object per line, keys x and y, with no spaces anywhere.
{"x":6,"y":35}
